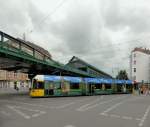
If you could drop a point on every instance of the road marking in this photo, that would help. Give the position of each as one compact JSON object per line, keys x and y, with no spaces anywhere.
{"x":85,"y":105}
{"x":97,"y":104}
{"x":71,"y":103}
{"x":120,"y":117}
{"x":19,"y":112}
{"x":38,"y":114}
{"x":127,"y":117}
{"x":69,"y":126}
{"x":5,"y":113}
{"x":85,"y":99}
{"x":116,"y":116}
{"x":144,"y":117}
{"x":118,"y":104}
{"x":43,"y":106}
{"x":138,"y":119}
{"x":32,"y":110}
{"x":28,"y":109}
{"x":16,"y":109}
{"x":104,"y":114}
{"x":112,"y":107}
{"x":65,"y":105}
{"x":36,"y":105}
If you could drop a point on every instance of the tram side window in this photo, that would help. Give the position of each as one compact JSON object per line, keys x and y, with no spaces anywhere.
{"x":98,"y":86}
{"x":74,"y":86}
{"x":108,"y":86}
{"x":38,"y":85}
{"x":57,"y":85}
{"x":128,"y":86}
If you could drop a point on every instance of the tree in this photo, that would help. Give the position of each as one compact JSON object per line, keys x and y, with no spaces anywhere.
{"x":122,"y":74}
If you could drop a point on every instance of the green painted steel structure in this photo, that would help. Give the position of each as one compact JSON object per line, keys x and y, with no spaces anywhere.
{"x":19,"y":55}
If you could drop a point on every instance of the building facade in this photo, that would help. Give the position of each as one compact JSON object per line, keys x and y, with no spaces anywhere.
{"x":140,"y":65}
{"x":80,"y":64}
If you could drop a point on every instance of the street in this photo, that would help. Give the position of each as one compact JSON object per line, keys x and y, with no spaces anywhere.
{"x":19,"y":110}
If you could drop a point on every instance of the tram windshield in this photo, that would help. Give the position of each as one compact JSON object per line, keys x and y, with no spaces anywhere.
{"x":38,"y":84}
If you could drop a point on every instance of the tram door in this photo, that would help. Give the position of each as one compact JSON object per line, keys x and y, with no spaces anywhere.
{"x":84,"y":88}
{"x":91,"y":89}
{"x":49,"y":88}
{"x":65,"y":87}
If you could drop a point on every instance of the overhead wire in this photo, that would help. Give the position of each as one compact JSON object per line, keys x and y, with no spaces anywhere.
{"x":95,"y":52}
{"x":103,"y":50}
{"x":48,"y":15}
{"x":116,"y":46}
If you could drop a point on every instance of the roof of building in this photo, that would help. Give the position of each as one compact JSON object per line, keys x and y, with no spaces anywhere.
{"x":36,"y":47}
{"x":143,"y":50}
{"x":74,"y":58}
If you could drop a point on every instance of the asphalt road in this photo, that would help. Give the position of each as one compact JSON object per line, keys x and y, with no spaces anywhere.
{"x":19,"y":110}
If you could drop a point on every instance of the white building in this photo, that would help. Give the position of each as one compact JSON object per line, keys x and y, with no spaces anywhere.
{"x":140,"y":65}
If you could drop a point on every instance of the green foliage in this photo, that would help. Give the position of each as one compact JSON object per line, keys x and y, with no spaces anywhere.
{"x":122,"y":74}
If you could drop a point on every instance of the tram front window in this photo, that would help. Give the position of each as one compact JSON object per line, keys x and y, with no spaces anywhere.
{"x":38,"y":85}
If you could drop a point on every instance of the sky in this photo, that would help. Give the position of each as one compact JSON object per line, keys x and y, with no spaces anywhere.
{"x":101,"y":32}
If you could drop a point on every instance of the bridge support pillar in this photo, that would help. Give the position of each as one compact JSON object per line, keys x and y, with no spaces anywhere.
{"x":31,"y":76}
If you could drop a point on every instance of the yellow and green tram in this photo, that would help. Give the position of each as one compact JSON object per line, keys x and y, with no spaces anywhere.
{"x":49,"y":85}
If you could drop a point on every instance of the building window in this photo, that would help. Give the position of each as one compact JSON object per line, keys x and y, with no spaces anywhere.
{"x":134,"y":55}
{"x":134,"y":78}
{"x":134,"y":69}
{"x":134,"y":62}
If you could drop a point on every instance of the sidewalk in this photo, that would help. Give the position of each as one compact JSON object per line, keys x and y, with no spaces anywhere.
{"x":4,"y":91}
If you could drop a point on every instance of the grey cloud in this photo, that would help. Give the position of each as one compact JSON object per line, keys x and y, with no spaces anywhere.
{"x":36,"y":17}
{"x":77,"y":30}
{"x":13,"y":17}
{"x":118,"y":15}
{"x":82,"y":35}
{"x":19,"y":16}
{"x":83,"y":31}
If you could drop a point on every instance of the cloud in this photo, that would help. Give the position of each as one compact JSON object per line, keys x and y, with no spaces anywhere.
{"x":13,"y":17}
{"x":97,"y":31}
{"x":77,"y":30}
{"x":120,"y":14}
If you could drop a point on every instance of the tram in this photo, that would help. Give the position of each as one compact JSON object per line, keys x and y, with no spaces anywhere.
{"x":49,"y":85}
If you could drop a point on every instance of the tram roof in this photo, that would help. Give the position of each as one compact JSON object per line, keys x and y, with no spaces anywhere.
{"x":65,"y":78}
{"x":79,"y":79}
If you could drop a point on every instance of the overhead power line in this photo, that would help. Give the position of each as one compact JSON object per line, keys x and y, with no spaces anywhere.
{"x":48,"y":15}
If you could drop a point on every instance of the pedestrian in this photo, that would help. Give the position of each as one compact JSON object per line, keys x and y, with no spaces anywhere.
{"x":15,"y":86}
{"x":149,"y":91}
{"x":139,"y":91}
